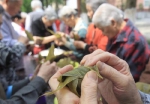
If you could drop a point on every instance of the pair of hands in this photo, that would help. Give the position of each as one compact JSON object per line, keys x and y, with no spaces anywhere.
{"x":116,"y":87}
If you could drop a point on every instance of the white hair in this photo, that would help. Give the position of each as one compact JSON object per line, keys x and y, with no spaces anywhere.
{"x":67,"y":11}
{"x":50,"y":13}
{"x":23,"y":14}
{"x":94,"y":4}
{"x":105,"y":13}
{"x":36,"y":3}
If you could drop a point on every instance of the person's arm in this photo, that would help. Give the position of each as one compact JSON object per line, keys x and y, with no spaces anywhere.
{"x":28,"y":94}
{"x":44,"y":40}
{"x":7,"y":35}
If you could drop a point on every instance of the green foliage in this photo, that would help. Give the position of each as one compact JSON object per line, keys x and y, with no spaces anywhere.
{"x":131,"y":3}
{"x":26,"y":6}
{"x":83,"y":6}
{"x":140,"y":6}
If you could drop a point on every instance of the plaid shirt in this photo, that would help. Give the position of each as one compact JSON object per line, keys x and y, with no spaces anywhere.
{"x":132,"y":47}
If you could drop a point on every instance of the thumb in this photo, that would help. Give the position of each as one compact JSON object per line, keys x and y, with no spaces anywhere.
{"x":89,"y":89}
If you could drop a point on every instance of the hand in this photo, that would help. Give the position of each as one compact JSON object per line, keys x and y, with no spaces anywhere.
{"x":79,"y":44}
{"x":118,"y":86}
{"x":35,"y":72}
{"x":60,"y":33}
{"x":23,"y":40}
{"x":38,"y":40}
{"x":65,"y":96}
{"x":47,"y":70}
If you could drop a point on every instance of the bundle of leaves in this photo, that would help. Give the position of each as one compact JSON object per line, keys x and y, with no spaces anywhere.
{"x":53,"y":33}
{"x":73,"y":79}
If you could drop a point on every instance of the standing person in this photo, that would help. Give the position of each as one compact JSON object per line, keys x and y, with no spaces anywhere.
{"x":125,"y":40}
{"x":94,"y":37}
{"x":37,"y":12}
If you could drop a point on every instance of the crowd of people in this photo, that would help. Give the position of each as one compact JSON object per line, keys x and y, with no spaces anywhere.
{"x":110,"y":41}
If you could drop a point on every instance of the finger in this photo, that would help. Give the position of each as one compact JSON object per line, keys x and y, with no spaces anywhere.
{"x":107,"y":58}
{"x":87,"y":57}
{"x":89,"y":89}
{"x":111,"y":74}
{"x":53,"y":82}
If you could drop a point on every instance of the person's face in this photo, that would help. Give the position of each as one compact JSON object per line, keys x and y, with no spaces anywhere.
{"x":90,"y":12}
{"x":13,"y":7}
{"x":49,"y":23}
{"x":110,"y":31}
{"x":0,"y":25}
{"x":70,"y":21}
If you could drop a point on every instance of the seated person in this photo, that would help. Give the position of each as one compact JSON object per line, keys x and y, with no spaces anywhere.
{"x":125,"y":40}
{"x":39,"y":27}
{"x":79,"y":29}
{"x":30,"y":93}
{"x":94,"y":37}
{"x":116,"y":87}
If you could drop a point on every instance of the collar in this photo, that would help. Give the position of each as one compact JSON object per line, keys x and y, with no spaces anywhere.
{"x":123,"y":35}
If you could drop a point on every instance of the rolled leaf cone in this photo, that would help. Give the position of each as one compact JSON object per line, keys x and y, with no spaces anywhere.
{"x":29,"y":35}
{"x":73,"y":79}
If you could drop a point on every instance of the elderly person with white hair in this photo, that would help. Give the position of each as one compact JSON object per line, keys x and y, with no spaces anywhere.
{"x":37,"y":12}
{"x":70,"y":17}
{"x":94,"y":37}
{"x":39,"y":27}
{"x":125,"y":40}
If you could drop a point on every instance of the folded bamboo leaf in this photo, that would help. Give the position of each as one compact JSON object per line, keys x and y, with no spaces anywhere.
{"x":29,"y":35}
{"x":73,"y":79}
{"x":76,"y":37}
{"x":51,"y":55}
{"x":53,"y":33}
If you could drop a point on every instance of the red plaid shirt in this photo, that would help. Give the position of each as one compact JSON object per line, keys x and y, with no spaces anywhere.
{"x":132,"y":47}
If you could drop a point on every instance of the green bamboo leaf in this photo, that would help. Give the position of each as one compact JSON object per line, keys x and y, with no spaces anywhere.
{"x":76,"y":37}
{"x":73,"y":79}
{"x":53,"y":33}
{"x":73,"y":85}
{"x":61,"y":85}
{"x":51,"y":55}
{"x":29,"y":35}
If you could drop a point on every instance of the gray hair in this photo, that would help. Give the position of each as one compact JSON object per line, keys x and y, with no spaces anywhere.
{"x":67,"y":11}
{"x":105,"y":13}
{"x":95,"y":3}
{"x":36,"y":3}
{"x":50,"y":13}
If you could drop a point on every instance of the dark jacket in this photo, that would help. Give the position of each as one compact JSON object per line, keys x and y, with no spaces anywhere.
{"x":28,"y":94}
{"x":9,"y":56}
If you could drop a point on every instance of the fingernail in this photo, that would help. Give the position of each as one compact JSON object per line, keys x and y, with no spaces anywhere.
{"x":92,"y":75}
{"x":100,"y":65}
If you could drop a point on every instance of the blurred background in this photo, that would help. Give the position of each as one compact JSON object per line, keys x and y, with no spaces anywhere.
{"x":137,"y":10}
